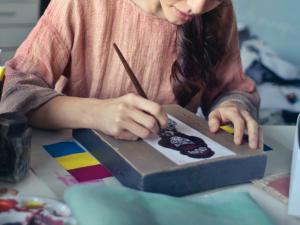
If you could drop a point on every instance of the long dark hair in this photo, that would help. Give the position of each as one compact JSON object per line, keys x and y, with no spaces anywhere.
{"x":200,"y":47}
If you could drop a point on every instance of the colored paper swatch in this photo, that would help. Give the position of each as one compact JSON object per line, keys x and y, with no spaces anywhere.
{"x":281,"y":185}
{"x":277,"y":185}
{"x":63,"y":149}
{"x":78,"y":160}
{"x":267,"y":148}
{"x":90,"y":173}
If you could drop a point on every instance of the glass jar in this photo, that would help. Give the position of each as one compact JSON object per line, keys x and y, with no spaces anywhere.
{"x":15,"y":143}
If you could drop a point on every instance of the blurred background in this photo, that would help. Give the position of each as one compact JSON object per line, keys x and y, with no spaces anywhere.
{"x":270,"y":48}
{"x":274,"y":21}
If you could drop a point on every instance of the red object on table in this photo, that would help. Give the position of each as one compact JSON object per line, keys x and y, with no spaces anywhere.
{"x":7,"y":204}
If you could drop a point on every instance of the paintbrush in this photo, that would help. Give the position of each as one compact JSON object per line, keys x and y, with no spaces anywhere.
{"x":133,"y":78}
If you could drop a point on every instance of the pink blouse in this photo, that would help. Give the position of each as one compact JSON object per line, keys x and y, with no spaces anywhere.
{"x":75,"y":37}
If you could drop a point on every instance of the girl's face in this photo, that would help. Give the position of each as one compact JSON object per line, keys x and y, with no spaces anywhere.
{"x":180,"y":11}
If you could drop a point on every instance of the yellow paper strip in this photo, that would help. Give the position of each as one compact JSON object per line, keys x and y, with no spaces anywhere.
{"x":78,"y":160}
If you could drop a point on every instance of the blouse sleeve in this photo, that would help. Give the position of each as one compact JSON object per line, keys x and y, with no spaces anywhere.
{"x":41,"y":59}
{"x":234,"y":84}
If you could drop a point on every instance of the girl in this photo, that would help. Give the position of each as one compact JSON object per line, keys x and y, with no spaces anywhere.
{"x":182,"y":51}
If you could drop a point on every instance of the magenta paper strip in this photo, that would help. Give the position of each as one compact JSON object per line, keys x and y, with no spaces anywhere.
{"x":90,"y":173}
{"x":281,"y":185}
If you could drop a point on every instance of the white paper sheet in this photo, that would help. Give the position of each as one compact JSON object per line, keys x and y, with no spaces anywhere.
{"x":294,"y":194}
{"x":180,"y":159}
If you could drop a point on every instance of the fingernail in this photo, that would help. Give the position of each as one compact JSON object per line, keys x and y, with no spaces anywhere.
{"x":214,"y":127}
{"x":237,"y":140}
{"x":253,"y":144}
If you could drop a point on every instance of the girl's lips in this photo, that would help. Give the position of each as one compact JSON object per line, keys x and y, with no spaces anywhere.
{"x":182,"y":15}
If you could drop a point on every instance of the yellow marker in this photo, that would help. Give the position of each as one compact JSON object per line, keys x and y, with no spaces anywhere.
{"x":76,"y":161}
{"x":2,"y":72}
{"x":227,"y":129}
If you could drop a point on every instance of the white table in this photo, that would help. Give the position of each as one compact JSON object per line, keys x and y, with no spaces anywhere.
{"x":42,"y":179}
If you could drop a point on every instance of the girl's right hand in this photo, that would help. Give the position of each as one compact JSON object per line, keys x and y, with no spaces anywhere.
{"x":128,"y":117}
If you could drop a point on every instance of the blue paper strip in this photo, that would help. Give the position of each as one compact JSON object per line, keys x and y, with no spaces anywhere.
{"x":267,"y":148}
{"x":63,"y":149}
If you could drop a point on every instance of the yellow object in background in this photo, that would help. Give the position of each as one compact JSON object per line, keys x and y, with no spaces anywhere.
{"x":2,"y":77}
{"x":2,"y":72}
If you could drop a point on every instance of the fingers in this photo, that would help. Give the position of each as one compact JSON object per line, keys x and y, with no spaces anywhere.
{"x":253,"y":130}
{"x":123,"y":122}
{"x":125,"y":127}
{"x":131,"y":113}
{"x":147,"y":121}
{"x":214,"y":121}
{"x":238,"y":126}
{"x":148,"y":106}
{"x":241,"y":120}
{"x":138,"y":116}
{"x":226,"y":114}
{"x":126,"y":135}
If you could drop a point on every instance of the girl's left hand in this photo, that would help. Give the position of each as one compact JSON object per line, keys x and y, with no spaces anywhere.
{"x":235,"y":113}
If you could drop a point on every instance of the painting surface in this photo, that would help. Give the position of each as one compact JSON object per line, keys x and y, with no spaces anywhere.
{"x":183,"y":144}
